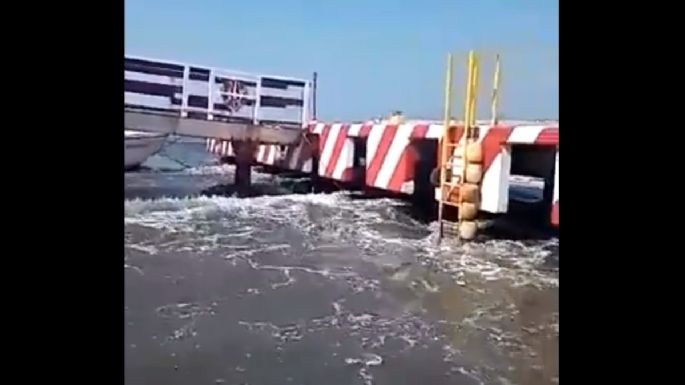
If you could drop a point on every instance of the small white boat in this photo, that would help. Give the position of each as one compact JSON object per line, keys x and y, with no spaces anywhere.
{"x":138,"y":146}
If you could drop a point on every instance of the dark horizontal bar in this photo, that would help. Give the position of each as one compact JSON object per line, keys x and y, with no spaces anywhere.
{"x":148,"y":108}
{"x":276,"y":101}
{"x":279,"y":122}
{"x":197,"y":101}
{"x":233,"y":119}
{"x":280,"y":84}
{"x":201,"y":102}
{"x":223,"y":107}
{"x":199,"y":74}
{"x":148,"y":88}
{"x":153,"y":68}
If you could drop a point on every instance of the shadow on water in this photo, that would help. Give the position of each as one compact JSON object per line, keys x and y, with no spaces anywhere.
{"x":523,"y":222}
{"x":281,"y":186}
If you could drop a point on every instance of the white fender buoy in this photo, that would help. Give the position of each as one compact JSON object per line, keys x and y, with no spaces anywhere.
{"x":468,"y":211}
{"x":474,"y":152}
{"x":474,"y":173}
{"x":470,"y":192}
{"x":467,"y":230}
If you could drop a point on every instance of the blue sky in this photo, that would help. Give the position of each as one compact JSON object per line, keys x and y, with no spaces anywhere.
{"x":372,"y":56}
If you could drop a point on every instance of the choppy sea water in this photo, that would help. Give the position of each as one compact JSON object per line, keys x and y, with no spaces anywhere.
{"x":321,"y":289}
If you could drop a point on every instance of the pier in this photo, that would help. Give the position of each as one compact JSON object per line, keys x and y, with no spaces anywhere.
{"x":255,"y":119}
{"x":464,"y":166}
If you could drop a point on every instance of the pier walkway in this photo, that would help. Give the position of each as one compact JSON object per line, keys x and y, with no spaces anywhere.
{"x":203,"y":102}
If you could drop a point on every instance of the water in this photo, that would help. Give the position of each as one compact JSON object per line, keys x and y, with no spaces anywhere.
{"x":322,"y":289}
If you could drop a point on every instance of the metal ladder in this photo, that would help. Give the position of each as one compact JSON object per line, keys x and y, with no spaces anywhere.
{"x":451,"y":140}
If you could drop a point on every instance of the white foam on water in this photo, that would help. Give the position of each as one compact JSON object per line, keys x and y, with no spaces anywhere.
{"x":174,"y":215}
{"x":217,"y":169}
{"x":366,"y":360}
{"x":334,"y":228}
{"x":140,"y":206}
{"x":227,"y":172}
{"x":187,"y":314}
{"x":520,"y":263}
{"x":144,"y":248}
{"x":134,"y":268}
{"x":376,"y":227}
{"x":238,"y":229}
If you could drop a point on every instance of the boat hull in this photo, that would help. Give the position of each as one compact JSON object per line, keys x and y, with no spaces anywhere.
{"x":138,"y":146}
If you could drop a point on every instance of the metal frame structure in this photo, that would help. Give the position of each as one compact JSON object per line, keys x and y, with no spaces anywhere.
{"x":449,"y":147}
{"x":201,"y":101}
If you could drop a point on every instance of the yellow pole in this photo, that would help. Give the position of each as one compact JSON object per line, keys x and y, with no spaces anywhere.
{"x":448,"y":94}
{"x":495,"y":91}
{"x":468,"y":110}
{"x":469,"y":90}
{"x":445,"y":138}
{"x":474,"y":94}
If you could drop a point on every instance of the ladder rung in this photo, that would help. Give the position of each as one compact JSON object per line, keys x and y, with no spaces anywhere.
{"x":451,"y":157}
{"x":452,"y":185}
{"x":455,"y":184}
{"x":448,"y":166}
{"x":450,"y":203}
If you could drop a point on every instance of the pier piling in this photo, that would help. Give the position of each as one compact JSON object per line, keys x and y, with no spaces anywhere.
{"x":244,"y":157}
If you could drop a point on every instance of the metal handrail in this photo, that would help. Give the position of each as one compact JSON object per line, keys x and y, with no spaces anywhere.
{"x":216,"y":83}
{"x":214,"y":69}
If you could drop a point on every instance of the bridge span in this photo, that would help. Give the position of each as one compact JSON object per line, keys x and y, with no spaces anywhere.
{"x":247,"y":109}
{"x":203,"y":102}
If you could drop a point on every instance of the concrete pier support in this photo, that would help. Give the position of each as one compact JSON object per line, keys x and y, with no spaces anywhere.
{"x":314,"y":174}
{"x":244,"y":157}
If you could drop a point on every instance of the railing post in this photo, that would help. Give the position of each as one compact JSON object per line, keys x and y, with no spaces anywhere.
{"x":258,"y":101}
{"x":305,"y":103}
{"x":184,"y":92}
{"x":495,"y":92}
{"x":315,"y":79}
{"x":210,"y":95}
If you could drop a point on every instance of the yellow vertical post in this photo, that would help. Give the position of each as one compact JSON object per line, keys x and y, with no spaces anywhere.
{"x":445,"y":140}
{"x":469,"y":108}
{"x":495,"y":91}
{"x":469,"y":90}
{"x":474,"y":94}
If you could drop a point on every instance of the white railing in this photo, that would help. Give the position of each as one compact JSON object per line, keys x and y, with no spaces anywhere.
{"x":202,"y":92}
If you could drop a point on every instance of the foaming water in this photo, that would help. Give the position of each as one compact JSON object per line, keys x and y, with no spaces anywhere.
{"x":321,"y":288}
{"x":374,"y":226}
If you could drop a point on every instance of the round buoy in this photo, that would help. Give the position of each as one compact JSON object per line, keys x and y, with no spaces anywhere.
{"x":474,"y":173}
{"x":474,"y":152}
{"x":470,"y":192}
{"x":468,"y":211}
{"x":467,"y":230}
